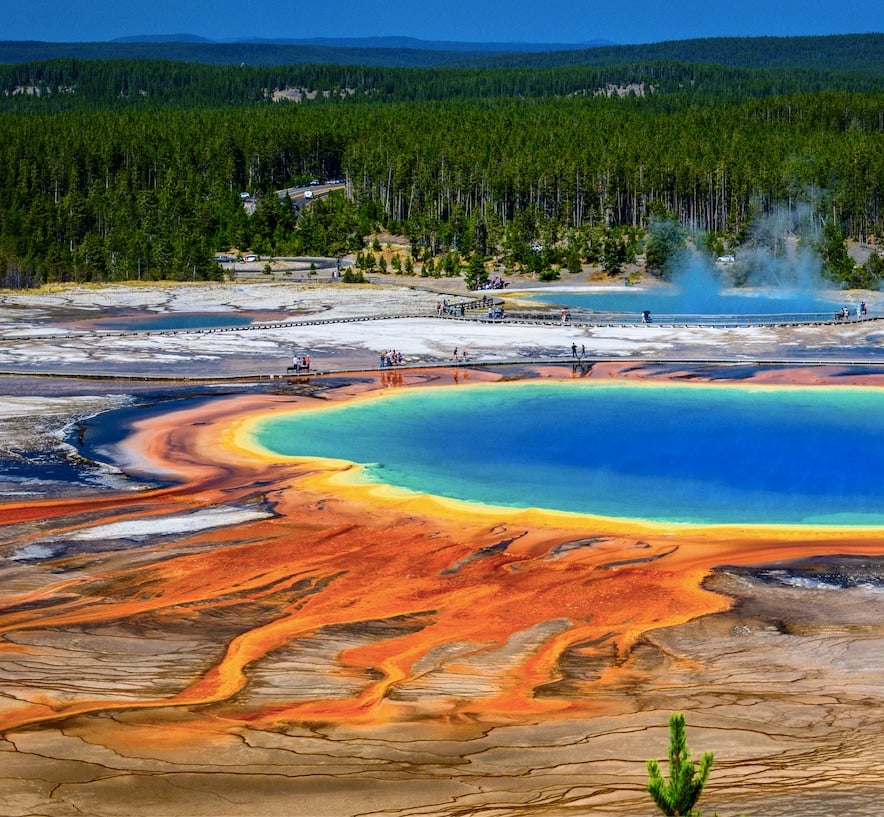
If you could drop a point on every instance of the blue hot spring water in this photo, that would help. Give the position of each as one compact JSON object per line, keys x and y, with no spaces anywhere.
{"x":665,"y":300}
{"x":170,"y":321}
{"x":669,"y":452}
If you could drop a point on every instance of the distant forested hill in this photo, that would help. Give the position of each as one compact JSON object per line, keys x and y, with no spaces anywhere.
{"x":847,"y":53}
{"x":850,"y":53}
{"x":231,"y":53}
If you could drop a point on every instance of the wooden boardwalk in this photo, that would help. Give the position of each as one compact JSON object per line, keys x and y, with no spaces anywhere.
{"x":577,"y":365}
{"x":475,"y":312}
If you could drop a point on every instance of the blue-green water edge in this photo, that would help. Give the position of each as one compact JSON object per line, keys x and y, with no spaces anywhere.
{"x":668,"y":301}
{"x":668,"y":452}
{"x":170,"y":321}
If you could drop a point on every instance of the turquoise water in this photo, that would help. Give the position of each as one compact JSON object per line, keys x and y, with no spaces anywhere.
{"x":168,"y":321}
{"x":666,"y":301}
{"x":675,"y":452}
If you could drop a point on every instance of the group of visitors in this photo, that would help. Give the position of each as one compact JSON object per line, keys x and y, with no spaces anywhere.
{"x":391,"y":358}
{"x":446,"y":308}
{"x":300,"y":363}
{"x":844,"y":313}
{"x":461,"y":352}
{"x":495,"y":282}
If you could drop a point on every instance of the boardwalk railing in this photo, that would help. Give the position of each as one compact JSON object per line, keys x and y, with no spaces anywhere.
{"x":478,"y":310}
{"x":590,"y":318}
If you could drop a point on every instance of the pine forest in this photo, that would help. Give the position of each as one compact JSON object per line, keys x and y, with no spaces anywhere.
{"x":123,"y":169}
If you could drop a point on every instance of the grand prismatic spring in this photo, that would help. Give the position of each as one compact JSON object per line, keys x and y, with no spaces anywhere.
{"x":262,"y":626}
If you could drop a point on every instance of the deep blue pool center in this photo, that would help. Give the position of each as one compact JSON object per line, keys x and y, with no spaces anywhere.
{"x":701,"y":453}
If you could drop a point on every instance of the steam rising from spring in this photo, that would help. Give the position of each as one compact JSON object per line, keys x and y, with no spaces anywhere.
{"x":780,"y":254}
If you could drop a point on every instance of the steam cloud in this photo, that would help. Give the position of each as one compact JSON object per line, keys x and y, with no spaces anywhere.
{"x":779,"y":257}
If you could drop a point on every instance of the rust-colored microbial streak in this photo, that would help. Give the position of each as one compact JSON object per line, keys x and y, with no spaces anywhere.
{"x":352,"y":603}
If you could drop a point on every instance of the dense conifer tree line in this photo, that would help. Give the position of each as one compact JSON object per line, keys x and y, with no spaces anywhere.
{"x":117,"y":171}
{"x":74,"y":84}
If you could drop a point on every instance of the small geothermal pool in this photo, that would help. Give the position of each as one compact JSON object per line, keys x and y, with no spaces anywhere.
{"x":697,"y":453}
{"x":666,"y":300}
{"x":170,"y":321}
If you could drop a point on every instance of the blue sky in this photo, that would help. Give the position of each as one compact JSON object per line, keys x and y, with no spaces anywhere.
{"x":564,"y":21}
